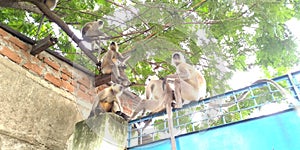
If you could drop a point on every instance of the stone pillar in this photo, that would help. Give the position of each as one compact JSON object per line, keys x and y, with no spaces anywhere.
{"x":106,"y":131}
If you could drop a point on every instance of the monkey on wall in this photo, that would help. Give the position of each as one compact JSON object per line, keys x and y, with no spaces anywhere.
{"x":154,"y":88}
{"x":108,"y":100}
{"x":189,"y":83}
{"x":113,"y":62}
{"x":91,"y":33}
{"x":51,"y":4}
{"x":154,"y":101}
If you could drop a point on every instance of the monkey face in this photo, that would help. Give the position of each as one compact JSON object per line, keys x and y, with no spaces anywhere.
{"x":177,"y":58}
{"x":113,"y":46}
{"x":117,"y":87}
{"x":100,"y":22}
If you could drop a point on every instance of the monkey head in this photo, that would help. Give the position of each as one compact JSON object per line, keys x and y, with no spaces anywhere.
{"x":113,"y":46}
{"x":177,"y":58}
{"x":100,"y":23}
{"x":117,"y":89}
{"x":51,"y":4}
{"x":92,"y":29}
{"x":154,"y":77}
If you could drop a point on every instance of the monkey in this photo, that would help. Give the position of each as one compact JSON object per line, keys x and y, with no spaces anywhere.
{"x":241,"y":98}
{"x":155,"y":106}
{"x":91,"y":33}
{"x":113,"y":63}
{"x":154,"y":88}
{"x":189,"y":83}
{"x":108,"y":100}
{"x":154,"y":97}
{"x":51,"y":4}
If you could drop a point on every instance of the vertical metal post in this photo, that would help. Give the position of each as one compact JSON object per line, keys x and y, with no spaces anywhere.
{"x":129,"y":134}
{"x":294,"y":87}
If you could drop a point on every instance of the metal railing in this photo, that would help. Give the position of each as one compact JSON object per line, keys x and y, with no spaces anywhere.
{"x":262,"y":99}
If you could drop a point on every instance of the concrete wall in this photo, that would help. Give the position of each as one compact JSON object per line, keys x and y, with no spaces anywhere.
{"x":41,"y":97}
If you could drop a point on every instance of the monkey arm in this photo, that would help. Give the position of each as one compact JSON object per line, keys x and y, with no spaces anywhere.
{"x":183,"y":73}
{"x":122,"y":58}
{"x":102,"y":97}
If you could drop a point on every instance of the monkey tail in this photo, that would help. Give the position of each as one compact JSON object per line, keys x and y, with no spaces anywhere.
{"x":164,"y":83}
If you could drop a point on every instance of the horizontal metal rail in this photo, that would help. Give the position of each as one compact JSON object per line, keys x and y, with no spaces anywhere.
{"x":263,"y":98}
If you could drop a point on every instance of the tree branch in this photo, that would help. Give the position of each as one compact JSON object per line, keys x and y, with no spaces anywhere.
{"x":20,"y":5}
{"x":64,"y":27}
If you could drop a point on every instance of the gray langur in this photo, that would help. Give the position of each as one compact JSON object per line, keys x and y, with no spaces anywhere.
{"x":113,"y":62}
{"x":154,"y":101}
{"x":91,"y":33}
{"x":51,"y":4}
{"x":108,"y":100}
{"x":189,"y":83}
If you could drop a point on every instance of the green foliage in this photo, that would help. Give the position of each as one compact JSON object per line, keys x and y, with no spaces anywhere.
{"x":217,"y":36}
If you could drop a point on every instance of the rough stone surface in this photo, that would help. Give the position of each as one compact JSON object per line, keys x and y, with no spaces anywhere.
{"x":34,"y":113}
{"x":105,"y":131}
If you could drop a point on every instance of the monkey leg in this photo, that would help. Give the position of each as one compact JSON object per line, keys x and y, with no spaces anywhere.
{"x":177,"y":93}
{"x":189,"y":92}
{"x":117,"y":107}
{"x":119,"y":76}
{"x":98,"y":45}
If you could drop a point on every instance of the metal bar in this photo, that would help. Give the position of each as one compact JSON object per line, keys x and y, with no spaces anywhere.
{"x":129,"y":134}
{"x":294,"y":87}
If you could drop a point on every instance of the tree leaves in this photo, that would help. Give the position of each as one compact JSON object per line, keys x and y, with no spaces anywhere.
{"x":216,"y":36}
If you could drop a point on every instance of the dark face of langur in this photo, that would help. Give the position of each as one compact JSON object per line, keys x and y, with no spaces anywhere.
{"x":100,"y":24}
{"x":117,"y":87}
{"x":113,"y":46}
{"x":176,"y":59}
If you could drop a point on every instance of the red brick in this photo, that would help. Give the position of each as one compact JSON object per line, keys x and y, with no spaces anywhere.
{"x":64,"y":70}
{"x":83,"y":88}
{"x":3,"y":33}
{"x":19,"y":43}
{"x":91,"y":92}
{"x":85,"y":81}
{"x":84,"y":96}
{"x":10,"y":54}
{"x":40,"y":57}
{"x":74,"y":83}
{"x":100,"y":88}
{"x":29,"y":57}
{"x":127,"y":110}
{"x":53,"y":64}
{"x":33,"y":67}
{"x":57,"y":82}
{"x":68,"y":86}
{"x":64,"y":76}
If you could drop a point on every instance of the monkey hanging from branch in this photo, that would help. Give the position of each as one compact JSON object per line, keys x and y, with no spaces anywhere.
{"x":189,"y":83}
{"x":51,"y":4}
{"x":113,"y":62}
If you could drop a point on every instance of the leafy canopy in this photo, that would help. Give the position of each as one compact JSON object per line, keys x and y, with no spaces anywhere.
{"x":216,"y":36}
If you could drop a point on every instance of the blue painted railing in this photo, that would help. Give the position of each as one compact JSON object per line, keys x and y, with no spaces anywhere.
{"x":209,"y":113}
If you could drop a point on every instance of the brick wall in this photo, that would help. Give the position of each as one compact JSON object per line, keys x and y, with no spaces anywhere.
{"x":55,"y":71}
{"x":51,"y":69}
